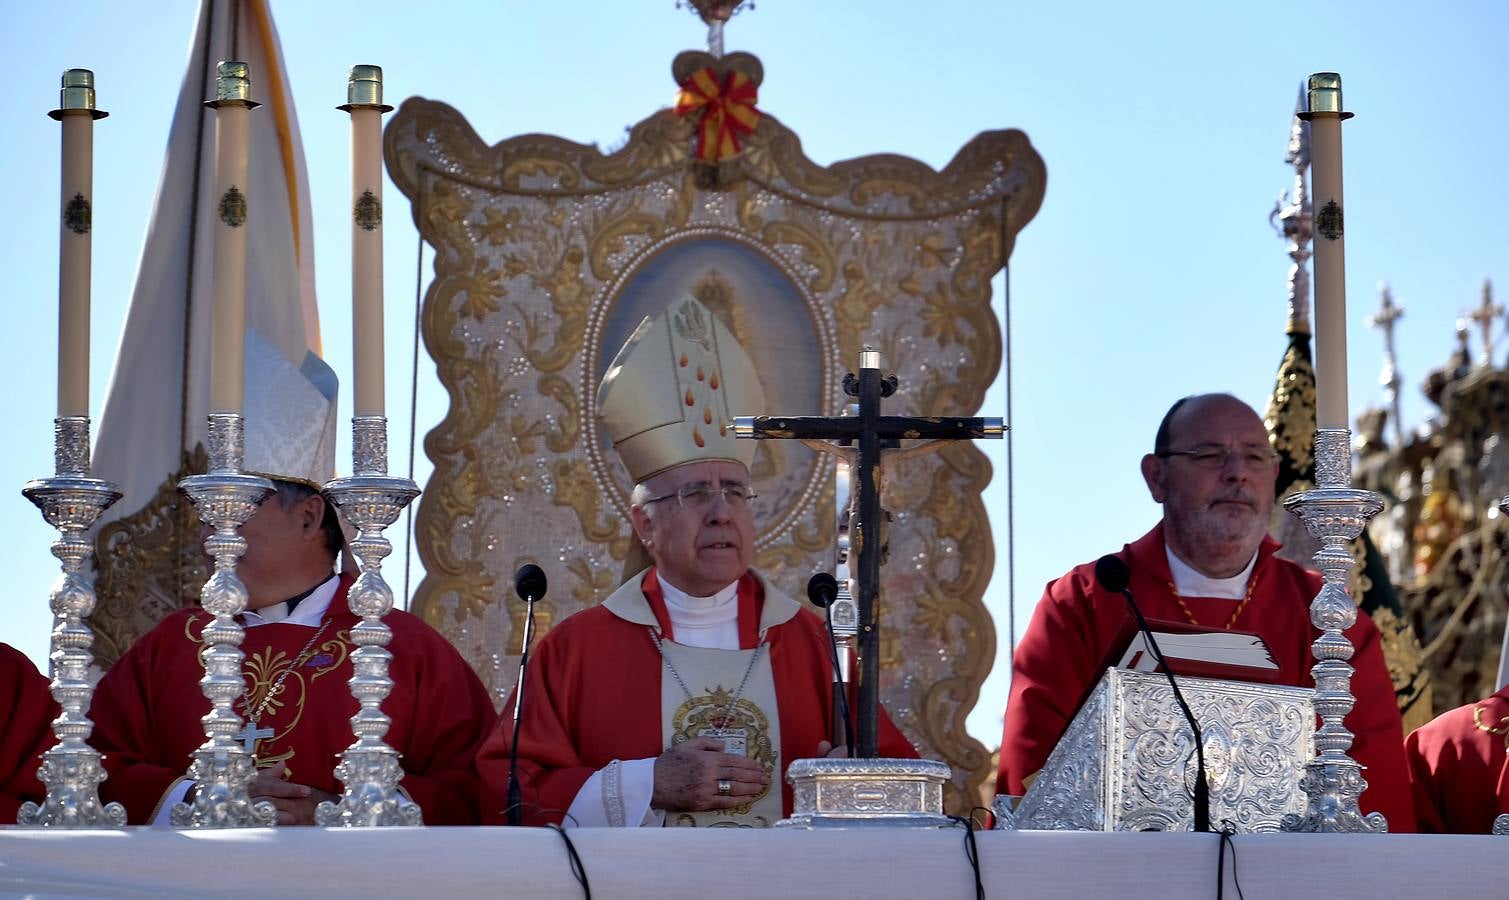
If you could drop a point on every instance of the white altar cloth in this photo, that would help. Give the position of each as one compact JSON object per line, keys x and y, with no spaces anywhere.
{"x":655,"y":863}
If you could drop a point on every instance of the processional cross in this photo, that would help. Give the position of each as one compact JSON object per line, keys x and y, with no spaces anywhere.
{"x":1384,"y":319}
{"x":1484,"y":315}
{"x":868,"y":431}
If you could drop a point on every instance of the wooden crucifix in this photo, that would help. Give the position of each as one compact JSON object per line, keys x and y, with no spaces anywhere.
{"x":867,"y":431}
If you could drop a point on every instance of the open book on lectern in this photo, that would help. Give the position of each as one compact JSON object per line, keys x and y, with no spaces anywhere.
{"x":1194,"y":650}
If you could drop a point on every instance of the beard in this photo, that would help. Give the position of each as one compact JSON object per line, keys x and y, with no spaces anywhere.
{"x":1219,"y":533}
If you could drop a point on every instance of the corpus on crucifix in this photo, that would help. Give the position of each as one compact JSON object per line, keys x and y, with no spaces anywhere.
{"x":868,"y":432}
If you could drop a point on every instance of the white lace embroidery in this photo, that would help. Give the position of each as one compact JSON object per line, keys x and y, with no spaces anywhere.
{"x":613,"y":796}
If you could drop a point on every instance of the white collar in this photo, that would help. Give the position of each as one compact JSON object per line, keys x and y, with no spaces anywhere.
{"x":1190,"y":582}
{"x":308,"y":613}
{"x":686,"y":610}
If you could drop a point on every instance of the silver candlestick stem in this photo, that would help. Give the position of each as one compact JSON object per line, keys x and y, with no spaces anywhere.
{"x":222,"y":767}
{"x":71,"y":501}
{"x":1334,"y":513}
{"x":369,"y":769}
{"x":1501,"y":822}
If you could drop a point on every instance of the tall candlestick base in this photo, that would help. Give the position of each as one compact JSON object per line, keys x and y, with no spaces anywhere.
{"x":369,"y":769}
{"x":222,"y":768}
{"x":1334,"y":513}
{"x":71,"y":501}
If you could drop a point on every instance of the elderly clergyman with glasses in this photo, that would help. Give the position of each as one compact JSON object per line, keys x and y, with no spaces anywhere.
{"x":683,"y":697}
{"x":1209,"y":564}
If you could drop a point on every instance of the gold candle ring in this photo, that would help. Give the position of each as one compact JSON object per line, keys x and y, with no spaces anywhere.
{"x":77,"y":95}
{"x":232,"y":85}
{"x":364,"y":89}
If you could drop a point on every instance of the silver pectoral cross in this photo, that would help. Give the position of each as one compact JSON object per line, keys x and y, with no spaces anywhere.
{"x":250,"y":734}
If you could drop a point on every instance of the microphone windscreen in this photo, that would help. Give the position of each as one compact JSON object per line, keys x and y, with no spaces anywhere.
{"x":822,"y":590}
{"x":529,"y":582}
{"x":1112,"y":573}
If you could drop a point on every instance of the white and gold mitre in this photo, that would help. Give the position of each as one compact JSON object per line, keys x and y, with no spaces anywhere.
{"x":290,"y":415}
{"x":670,"y":395}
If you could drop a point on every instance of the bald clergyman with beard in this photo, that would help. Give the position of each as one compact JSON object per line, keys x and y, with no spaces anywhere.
{"x":1209,"y":563}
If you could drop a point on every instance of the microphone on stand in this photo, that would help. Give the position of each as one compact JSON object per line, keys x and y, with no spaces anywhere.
{"x":1113,"y":576}
{"x":529,"y":582}
{"x":822,"y":590}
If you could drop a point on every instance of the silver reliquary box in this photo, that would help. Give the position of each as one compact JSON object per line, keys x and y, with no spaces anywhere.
{"x":1126,"y":762}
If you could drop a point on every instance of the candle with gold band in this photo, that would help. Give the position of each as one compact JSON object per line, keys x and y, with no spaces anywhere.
{"x":1325,"y":116}
{"x":233,"y":105}
{"x":77,"y":112}
{"x":364,"y":103}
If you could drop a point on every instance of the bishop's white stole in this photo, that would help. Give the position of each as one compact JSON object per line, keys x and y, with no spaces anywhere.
{"x":746,"y":722}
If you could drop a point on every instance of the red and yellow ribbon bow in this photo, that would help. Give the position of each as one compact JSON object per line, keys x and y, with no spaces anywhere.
{"x":728,"y":110}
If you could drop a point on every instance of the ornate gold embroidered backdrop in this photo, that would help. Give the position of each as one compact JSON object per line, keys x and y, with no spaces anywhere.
{"x":547,"y":254}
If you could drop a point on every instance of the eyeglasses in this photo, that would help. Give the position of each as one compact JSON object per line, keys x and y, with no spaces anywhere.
{"x":701,"y":494}
{"x":1254,"y":459}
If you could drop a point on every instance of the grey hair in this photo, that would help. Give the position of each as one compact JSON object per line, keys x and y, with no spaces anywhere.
{"x":639,"y":496}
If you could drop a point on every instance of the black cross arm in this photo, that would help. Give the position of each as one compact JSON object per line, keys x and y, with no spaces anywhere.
{"x":838,"y":428}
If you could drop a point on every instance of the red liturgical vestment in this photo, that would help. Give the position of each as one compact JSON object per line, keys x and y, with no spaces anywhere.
{"x":594,"y":695}
{"x":1075,"y":623}
{"x":26,"y":713}
{"x":148,"y":706}
{"x":1459,"y":768}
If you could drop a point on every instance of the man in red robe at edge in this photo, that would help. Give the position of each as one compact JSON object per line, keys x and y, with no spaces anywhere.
{"x":1210,"y":563}
{"x":1459,"y":767}
{"x":26,"y":713}
{"x":297,"y":647}
{"x":684,"y":696}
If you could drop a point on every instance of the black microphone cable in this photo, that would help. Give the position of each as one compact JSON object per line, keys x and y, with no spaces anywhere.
{"x":1113,"y":576}
{"x":971,"y":853}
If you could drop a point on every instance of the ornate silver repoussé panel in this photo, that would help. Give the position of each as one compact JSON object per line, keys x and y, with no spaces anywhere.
{"x":1126,"y":761}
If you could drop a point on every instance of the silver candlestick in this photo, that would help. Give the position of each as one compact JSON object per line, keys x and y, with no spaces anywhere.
{"x":71,"y":501}
{"x":1501,"y":822}
{"x":222,"y":767}
{"x":369,"y":769}
{"x":1334,"y":513}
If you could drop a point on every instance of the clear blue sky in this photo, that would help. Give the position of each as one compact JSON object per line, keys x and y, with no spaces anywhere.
{"x":1151,"y":271}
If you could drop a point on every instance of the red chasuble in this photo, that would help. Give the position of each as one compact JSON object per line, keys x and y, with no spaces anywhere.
{"x":1459,"y":768}
{"x":26,"y":713}
{"x":594,"y":696}
{"x":1075,"y":623}
{"x":148,"y":706}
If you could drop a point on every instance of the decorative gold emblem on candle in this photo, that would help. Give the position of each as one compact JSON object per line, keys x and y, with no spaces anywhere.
{"x":76,"y":216}
{"x":368,"y":211}
{"x":1329,"y":222}
{"x":233,"y":208}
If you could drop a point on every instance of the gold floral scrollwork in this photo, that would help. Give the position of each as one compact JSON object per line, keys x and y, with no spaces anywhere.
{"x":576,"y":489}
{"x":149,"y":563}
{"x":548,"y":252}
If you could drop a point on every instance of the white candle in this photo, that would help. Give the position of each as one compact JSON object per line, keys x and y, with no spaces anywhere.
{"x":75,"y":209}
{"x":1325,"y":119}
{"x":228,"y":335}
{"x":364,"y":103}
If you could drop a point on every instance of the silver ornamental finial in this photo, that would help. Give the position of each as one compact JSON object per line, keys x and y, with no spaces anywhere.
{"x":714,"y":13}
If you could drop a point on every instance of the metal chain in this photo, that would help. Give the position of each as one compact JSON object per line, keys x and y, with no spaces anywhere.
{"x":298,"y":660}
{"x":732,"y":704}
